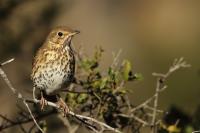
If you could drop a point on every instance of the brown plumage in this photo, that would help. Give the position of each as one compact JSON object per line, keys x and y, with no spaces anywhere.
{"x":54,"y":63}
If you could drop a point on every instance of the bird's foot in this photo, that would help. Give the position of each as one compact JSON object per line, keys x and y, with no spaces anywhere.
{"x":43,"y":102}
{"x":63,"y":106}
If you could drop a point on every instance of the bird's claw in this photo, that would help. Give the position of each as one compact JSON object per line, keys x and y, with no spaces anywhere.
{"x":62,"y":105}
{"x":43,"y":102}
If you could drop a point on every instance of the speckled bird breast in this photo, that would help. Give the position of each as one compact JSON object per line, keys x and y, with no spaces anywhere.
{"x":53,"y":69}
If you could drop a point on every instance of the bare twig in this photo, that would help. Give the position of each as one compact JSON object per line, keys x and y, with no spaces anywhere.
{"x":196,"y":132}
{"x":144,"y":123}
{"x":161,"y":78}
{"x":116,"y":58}
{"x":5,"y":118}
{"x":143,"y":104}
{"x":11,"y":123}
{"x":84,"y":118}
{"x":6,"y":62}
{"x":18,"y":94}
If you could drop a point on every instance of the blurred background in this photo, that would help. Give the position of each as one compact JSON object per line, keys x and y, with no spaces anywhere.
{"x":149,"y":33}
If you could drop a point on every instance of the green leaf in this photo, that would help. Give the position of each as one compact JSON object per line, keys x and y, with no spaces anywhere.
{"x":189,"y":129}
{"x":98,"y":53}
{"x":104,"y":82}
{"x":82,"y":98}
{"x":127,"y":70}
{"x":89,"y":64}
{"x":122,"y":90}
{"x":138,"y":76}
{"x":110,"y":71}
{"x":96,"y":84}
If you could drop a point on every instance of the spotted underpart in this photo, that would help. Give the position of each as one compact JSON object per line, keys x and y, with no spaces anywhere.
{"x":54,"y":64}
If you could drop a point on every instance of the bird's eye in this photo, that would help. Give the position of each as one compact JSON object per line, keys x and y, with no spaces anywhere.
{"x":60,"y":34}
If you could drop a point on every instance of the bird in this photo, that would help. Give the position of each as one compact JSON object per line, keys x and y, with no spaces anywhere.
{"x":54,"y":64}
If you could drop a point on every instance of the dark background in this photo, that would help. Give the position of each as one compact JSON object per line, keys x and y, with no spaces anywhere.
{"x":149,"y":33}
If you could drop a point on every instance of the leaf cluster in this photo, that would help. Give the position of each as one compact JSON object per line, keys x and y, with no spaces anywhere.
{"x":103,"y":93}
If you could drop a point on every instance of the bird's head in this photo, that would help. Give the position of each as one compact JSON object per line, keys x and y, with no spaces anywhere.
{"x":61,"y":36}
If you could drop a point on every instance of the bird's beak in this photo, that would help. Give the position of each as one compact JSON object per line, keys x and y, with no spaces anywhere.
{"x":74,"y":33}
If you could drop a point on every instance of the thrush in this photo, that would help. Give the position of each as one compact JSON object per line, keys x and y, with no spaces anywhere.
{"x":54,"y":64}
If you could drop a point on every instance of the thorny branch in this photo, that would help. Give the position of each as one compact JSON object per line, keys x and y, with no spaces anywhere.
{"x":132,"y":113}
{"x":85,"y":119}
